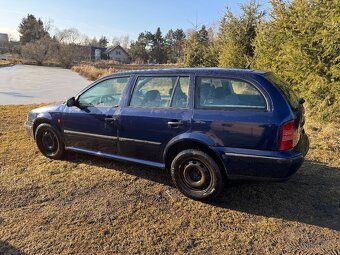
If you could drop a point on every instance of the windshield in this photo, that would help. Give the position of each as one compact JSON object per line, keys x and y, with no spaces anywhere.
{"x":285,"y":89}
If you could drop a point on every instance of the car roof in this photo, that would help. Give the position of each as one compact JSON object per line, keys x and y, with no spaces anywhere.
{"x":196,"y":71}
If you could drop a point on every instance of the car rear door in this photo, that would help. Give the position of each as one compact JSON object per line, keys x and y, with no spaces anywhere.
{"x":91,"y":125}
{"x":157,"y":111}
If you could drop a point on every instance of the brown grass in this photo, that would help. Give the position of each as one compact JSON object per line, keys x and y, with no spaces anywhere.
{"x":98,"y":69}
{"x":4,"y":63}
{"x":89,"y":205}
{"x":325,"y":142}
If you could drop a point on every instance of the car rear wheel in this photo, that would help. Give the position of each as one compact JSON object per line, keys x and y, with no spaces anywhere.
{"x":196,"y":175}
{"x":49,"y":141}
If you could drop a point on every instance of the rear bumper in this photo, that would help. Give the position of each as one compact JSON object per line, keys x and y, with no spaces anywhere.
{"x":258,"y":164}
{"x":29,"y":128}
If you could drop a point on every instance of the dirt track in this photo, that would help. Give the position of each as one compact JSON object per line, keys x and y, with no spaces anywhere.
{"x":88,"y":205}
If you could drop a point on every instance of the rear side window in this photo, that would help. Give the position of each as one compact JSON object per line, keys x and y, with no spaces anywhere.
{"x":161,"y":92}
{"x":287,"y":91}
{"x":227,"y":93}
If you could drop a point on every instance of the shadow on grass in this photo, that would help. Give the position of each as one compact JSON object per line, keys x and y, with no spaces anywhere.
{"x":7,"y":249}
{"x":311,"y":196}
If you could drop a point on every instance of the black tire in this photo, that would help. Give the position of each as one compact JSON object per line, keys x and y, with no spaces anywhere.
{"x":49,"y":141}
{"x":196,"y":175}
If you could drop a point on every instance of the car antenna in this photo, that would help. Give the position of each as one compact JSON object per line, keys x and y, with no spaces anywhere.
{"x":252,"y":61}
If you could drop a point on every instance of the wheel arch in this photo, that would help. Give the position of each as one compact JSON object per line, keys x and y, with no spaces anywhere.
{"x":39,"y":121}
{"x":190,"y":143}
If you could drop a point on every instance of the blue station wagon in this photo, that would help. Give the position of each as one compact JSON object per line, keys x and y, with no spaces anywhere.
{"x":205,"y":125}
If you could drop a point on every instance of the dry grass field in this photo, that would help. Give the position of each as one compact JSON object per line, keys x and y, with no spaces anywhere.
{"x":4,"y":63}
{"x":89,"y":205}
{"x":95,"y":70}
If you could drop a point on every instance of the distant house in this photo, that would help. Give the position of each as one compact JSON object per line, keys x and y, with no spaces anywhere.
{"x":97,"y":53}
{"x":5,"y":56}
{"x":4,"y":43}
{"x":118,"y":54}
{"x":3,"y":37}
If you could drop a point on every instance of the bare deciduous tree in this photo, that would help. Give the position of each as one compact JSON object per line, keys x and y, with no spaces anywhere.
{"x":72,"y":46}
{"x":39,"y":51}
{"x":68,"y":36}
{"x":123,"y":41}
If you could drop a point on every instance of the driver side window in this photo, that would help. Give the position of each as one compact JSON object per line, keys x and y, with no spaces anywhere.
{"x":106,"y":93}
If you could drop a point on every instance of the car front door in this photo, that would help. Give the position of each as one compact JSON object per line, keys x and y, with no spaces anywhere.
{"x":91,"y":124}
{"x":157,"y":111}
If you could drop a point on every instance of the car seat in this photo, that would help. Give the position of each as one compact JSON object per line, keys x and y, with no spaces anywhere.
{"x":205,"y":93}
{"x":224,"y":96}
{"x":152,"y":98}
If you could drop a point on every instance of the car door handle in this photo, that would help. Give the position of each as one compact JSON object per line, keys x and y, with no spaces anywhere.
{"x":111,"y":118}
{"x":175,"y":123}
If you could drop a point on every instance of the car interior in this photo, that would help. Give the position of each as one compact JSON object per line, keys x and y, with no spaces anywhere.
{"x":149,"y":93}
{"x":228,"y":93}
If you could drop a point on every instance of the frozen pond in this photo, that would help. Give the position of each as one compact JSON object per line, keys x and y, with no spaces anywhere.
{"x":25,"y":84}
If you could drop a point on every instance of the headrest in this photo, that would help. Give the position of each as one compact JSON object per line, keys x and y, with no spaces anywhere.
{"x":152,"y":95}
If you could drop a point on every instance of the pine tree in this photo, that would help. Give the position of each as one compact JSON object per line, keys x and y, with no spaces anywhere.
{"x":157,"y":46}
{"x":301,"y":44}
{"x":179,"y":40}
{"x":198,"y":52}
{"x":169,"y":46}
{"x":203,"y":36}
{"x":174,"y":41}
{"x":31,"y":29}
{"x":138,"y":50}
{"x":103,"y":41}
{"x":236,"y":35}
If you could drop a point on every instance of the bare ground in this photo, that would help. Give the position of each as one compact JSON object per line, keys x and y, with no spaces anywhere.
{"x":88,"y":205}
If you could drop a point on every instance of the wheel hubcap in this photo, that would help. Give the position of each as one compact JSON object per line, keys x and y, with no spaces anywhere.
{"x":49,"y":142}
{"x":196,"y":175}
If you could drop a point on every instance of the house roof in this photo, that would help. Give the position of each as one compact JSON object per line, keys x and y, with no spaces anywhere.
{"x":108,"y":50}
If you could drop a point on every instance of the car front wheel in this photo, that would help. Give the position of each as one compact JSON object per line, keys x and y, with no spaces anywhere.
{"x":49,"y":141}
{"x":196,"y":175}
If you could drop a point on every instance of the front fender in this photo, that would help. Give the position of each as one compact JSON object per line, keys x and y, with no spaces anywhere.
{"x":44,"y":116}
{"x":47,"y":117}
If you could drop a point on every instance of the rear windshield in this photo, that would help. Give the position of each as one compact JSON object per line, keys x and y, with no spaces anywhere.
{"x":285,"y":89}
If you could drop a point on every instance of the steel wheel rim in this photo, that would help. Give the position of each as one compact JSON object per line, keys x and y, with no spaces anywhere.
{"x":196,"y":175}
{"x":49,"y":142}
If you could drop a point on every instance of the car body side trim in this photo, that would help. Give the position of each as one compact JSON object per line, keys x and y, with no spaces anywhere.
{"x":258,"y":156}
{"x":90,"y":134}
{"x":118,"y":157}
{"x":123,"y":139}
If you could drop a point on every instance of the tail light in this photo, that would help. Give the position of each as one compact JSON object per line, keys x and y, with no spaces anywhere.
{"x":289,"y":136}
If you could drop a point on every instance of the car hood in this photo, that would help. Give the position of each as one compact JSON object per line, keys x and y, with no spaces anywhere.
{"x":49,"y":108}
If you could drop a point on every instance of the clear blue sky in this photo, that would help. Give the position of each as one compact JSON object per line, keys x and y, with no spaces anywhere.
{"x":118,"y":17}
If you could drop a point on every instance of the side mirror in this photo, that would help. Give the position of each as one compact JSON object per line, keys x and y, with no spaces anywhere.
{"x":71,"y":102}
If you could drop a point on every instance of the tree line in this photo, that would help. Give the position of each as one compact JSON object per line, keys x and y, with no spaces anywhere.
{"x":298,"y":40}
